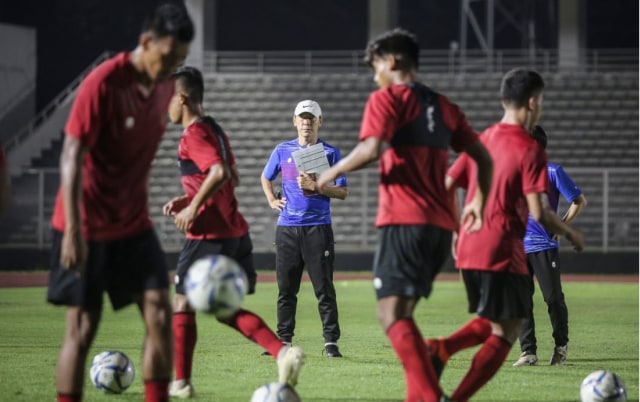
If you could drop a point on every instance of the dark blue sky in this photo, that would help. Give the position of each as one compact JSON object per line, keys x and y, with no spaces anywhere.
{"x":72,"y":33}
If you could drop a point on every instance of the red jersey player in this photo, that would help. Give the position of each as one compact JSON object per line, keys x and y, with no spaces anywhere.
{"x":492,"y":260}
{"x":103,"y":240}
{"x":410,"y":128}
{"x":208,"y":213}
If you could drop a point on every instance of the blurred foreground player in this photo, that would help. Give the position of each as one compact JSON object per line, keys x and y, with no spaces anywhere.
{"x":492,"y":260}
{"x":208,"y":214}
{"x":103,"y":238}
{"x":410,"y":128}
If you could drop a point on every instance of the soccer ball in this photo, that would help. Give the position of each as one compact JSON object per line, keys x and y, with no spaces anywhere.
{"x":275,"y":392}
{"x":216,"y":284}
{"x":112,"y":371}
{"x":603,"y":386}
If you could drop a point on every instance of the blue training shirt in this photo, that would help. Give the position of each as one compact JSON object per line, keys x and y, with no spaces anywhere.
{"x":300,"y":210}
{"x":536,"y":237}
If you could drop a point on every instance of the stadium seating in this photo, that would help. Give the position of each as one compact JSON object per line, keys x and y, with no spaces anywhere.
{"x":591,"y":120}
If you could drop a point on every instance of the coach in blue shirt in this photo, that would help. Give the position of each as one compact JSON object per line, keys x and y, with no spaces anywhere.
{"x":542,"y":258}
{"x":304,"y":237}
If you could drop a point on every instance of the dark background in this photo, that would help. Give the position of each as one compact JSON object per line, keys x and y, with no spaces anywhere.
{"x":72,"y":33}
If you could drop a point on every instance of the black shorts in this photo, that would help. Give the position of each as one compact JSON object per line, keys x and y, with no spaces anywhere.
{"x":498,"y":296}
{"x":239,"y":248}
{"x":408,"y":258}
{"x":123,"y":268}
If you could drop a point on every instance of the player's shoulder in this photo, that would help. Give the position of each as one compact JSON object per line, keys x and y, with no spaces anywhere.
{"x":115,"y":69}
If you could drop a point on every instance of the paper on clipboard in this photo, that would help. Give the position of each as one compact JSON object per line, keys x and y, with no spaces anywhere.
{"x":311,"y":159}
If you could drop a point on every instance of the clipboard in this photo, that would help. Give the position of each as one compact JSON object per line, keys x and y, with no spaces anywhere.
{"x":311,"y":159}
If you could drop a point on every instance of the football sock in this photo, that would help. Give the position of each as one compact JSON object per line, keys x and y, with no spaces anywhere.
{"x":409,"y":345}
{"x":471,"y":334}
{"x":69,"y":398}
{"x":185,"y":335}
{"x":156,"y":390}
{"x":255,"y":329}
{"x":486,"y":362}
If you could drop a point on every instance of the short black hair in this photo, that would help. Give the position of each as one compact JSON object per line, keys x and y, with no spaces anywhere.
{"x":540,"y":136}
{"x":191,"y":81}
{"x":170,"y":20}
{"x":518,"y":85}
{"x":399,"y":42}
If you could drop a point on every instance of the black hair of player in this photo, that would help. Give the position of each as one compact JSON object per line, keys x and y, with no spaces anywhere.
{"x":399,"y":42}
{"x":540,"y":136}
{"x":170,"y":20}
{"x":518,"y":85}
{"x":191,"y":82}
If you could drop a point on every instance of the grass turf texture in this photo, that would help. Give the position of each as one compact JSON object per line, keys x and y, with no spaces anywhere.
{"x":228,"y":367}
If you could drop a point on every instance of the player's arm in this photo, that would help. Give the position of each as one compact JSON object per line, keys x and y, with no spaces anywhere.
{"x":367,"y":151}
{"x":217,"y":176}
{"x":473,"y":213}
{"x":235,"y":176}
{"x":451,"y":187}
{"x":73,"y":251}
{"x":331,"y":191}
{"x":540,"y":210}
{"x":307,"y":182}
{"x":577,"y":205}
{"x":274,"y":202}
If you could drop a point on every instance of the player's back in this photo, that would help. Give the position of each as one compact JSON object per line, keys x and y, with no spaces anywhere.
{"x":519,"y":168}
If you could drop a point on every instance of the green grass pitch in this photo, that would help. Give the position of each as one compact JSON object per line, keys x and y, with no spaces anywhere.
{"x":603,"y":321}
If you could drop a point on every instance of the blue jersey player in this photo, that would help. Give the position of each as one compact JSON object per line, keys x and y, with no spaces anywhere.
{"x":541,"y":248}
{"x":304,"y":236}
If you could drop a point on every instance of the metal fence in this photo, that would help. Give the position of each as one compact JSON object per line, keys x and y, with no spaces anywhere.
{"x":610,"y":221}
{"x":450,"y":61}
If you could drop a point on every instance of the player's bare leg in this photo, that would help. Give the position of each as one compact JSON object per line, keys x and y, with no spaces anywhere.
{"x":157,"y":359}
{"x":81,"y":329}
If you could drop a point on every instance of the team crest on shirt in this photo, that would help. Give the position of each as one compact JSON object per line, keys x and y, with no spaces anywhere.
{"x":129,"y":122}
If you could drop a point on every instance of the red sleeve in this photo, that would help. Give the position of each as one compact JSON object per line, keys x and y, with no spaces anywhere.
{"x":85,"y":118}
{"x":456,"y":121}
{"x":534,"y":170}
{"x":459,"y":171}
{"x":380,"y":119}
{"x":203,"y":149}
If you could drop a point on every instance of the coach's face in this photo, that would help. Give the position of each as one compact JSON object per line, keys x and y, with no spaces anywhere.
{"x":307,"y":125}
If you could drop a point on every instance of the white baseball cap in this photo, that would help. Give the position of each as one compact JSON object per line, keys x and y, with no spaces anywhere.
{"x":308,"y":106}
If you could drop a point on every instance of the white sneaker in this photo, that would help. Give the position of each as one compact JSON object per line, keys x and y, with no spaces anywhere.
{"x":559,"y":355}
{"x":181,"y":389}
{"x":526,"y":359}
{"x":290,"y":361}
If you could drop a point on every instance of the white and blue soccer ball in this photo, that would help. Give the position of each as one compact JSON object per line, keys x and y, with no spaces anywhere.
{"x":112,"y":371}
{"x":275,"y":392}
{"x":217,"y":285}
{"x":603,"y":386}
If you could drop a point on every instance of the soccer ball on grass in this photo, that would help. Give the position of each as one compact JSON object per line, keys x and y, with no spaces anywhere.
{"x":216,"y":284}
{"x":603,"y":386}
{"x":112,"y":371}
{"x":275,"y":392}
